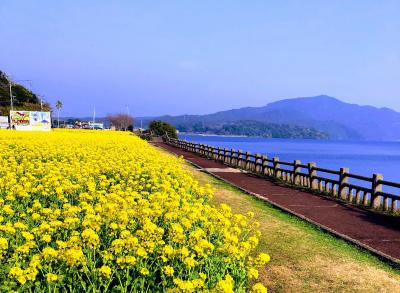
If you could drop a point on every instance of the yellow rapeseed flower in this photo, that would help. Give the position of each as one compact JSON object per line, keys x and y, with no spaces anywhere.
{"x":51,"y":277}
{"x":106,"y":207}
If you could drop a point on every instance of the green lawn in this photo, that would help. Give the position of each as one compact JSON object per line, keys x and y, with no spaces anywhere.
{"x":303,"y":257}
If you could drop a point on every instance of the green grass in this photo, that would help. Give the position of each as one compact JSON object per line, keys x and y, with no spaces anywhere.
{"x":304,"y":258}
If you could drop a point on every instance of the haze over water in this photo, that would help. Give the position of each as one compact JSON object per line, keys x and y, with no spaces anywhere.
{"x":362,"y":157}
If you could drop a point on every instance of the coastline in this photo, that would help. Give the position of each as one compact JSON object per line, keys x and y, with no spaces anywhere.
{"x":217,"y":135}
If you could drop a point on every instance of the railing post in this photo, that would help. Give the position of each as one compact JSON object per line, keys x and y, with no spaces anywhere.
{"x":258,"y":164}
{"x":264,"y":165}
{"x":312,"y":173}
{"x":232,"y":161}
{"x":210,"y":152}
{"x":240,"y":159}
{"x":376,"y":199}
{"x":247,"y":164}
{"x":343,"y":180}
{"x":296,"y":171}
{"x":276,"y":167}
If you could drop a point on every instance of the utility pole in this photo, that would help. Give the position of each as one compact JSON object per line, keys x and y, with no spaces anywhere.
{"x":41,"y":102}
{"x":11,"y":96}
{"x":10,"y":84}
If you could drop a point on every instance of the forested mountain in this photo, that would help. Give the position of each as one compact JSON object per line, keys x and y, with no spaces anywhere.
{"x":23,"y":99}
{"x":253,"y":128}
{"x":324,"y":114}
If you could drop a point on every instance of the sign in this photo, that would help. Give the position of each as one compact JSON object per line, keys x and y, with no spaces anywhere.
{"x":40,"y":121}
{"x":4,"y":122}
{"x":30,"y":120}
{"x":94,"y":125}
{"x":20,"y":120}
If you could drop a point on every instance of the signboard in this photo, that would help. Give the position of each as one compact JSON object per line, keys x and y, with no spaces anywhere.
{"x":40,"y":120}
{"x":94,"y":125}
{"x":20,"y":120}
{"x":4,"y":122}
{"x":30,"y":120}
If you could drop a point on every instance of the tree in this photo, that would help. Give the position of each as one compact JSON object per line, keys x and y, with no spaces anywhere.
{"x":59,"y":105}
{"x":159,"y":127}
{"x":23,"y":98}
{"x":121,"y":121}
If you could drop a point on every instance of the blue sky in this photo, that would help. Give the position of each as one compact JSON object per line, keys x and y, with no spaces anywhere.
{"x":195,"y":57}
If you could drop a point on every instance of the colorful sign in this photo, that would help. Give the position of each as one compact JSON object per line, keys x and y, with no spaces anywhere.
{"x":4,"y":122}
{"x":20,"y":120}
{"x":30,"y":120}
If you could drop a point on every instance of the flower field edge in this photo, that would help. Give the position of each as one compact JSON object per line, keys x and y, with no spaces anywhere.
{"x":104,"y":211}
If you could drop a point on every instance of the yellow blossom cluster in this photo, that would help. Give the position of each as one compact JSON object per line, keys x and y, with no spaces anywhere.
{"x":104,"y":211}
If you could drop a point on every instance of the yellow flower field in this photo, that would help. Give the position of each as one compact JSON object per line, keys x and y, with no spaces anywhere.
{"x":104,"y":211}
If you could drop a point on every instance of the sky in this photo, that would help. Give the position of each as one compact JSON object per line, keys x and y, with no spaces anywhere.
{"x":195,"y":57}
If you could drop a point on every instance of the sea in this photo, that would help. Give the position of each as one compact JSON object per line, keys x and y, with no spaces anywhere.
{"x":361,"y":157}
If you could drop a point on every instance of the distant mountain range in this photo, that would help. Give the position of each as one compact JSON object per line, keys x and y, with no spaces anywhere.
{"x":320,"y":115}
{"x":307,"y":117}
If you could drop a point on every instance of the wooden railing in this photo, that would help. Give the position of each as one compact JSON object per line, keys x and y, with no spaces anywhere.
{"x":303,"y":176}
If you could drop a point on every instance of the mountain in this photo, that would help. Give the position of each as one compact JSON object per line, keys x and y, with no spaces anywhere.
{"x":23,"y":99}
{"x":254,"y":128}
{"x":322,"y":113}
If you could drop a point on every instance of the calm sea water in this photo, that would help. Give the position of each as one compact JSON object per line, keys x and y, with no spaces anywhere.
{"x":363,"y":158}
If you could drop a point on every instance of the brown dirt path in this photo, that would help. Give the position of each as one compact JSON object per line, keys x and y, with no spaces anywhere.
{"x":375,"y":232}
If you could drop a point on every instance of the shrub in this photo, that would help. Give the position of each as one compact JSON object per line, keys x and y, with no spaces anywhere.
{"x":161,"y":128}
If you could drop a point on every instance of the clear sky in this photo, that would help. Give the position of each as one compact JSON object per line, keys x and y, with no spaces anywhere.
{"x":195,"y":57}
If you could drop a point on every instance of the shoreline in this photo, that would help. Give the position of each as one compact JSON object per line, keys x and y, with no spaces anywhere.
{"x":217,"y":135}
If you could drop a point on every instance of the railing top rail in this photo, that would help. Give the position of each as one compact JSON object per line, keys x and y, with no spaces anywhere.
{"x":389,"y":183}
{"x":285,"y":163}
{"x":325,"y":170}
{"x":359,"y":177}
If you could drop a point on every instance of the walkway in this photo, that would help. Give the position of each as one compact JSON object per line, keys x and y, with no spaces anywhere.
{"x":376,"y":232}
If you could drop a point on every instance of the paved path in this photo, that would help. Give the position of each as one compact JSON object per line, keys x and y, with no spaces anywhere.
{"x":378,"y":233}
